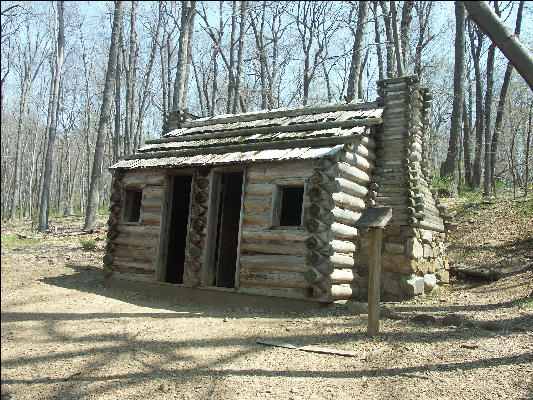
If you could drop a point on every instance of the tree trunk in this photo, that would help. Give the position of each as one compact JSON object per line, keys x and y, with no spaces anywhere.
{"x":130,"y":81}
{"x":449,"y":167}
{"x":389,"y":46}
{"x":528,"y":145}
{"x":357,"y":51}
{"x":476,"y":54}
{"x":488,"y":117}
{"x":405,"y":26}
{"x":44,"y":208}
{"x":185,"y":42}
{"x":501,"y":36}
{"x":501,"y":104}
{"x":377,"y":37}
{"x":397,"y":42}
{"x":467,"y":141}
{"x":240,"y":53}
{"x":96,"y":174}
{"x":118,"y":113}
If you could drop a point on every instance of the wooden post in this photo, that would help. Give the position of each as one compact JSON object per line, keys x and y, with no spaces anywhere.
{"x":375,"y":219}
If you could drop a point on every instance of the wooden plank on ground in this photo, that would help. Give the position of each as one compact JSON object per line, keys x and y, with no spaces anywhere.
{"x":312,"y":349}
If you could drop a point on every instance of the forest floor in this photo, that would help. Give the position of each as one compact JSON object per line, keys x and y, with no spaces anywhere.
{"x":66,"y":336}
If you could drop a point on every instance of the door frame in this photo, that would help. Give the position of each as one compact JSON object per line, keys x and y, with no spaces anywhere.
{"x":208,"y":268}
{"x":166,"y":215}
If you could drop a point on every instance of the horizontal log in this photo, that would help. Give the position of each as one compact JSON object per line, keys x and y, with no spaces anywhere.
{"x":363,"y":151}
{"x":430,"y":226}
{"x":138,"y":179}
{"x":135,"y":253}
{"x":150,"y":218}
{"x":128,"y":262}
{"x":315,"y":225}
{"x":292,"y":235}
{"x":348,"y":202}
{"x":271,"y":172}
{"x":344,"y":276}
{"x":151,"y":204}
{"x":131,"y":270}
{"x":341,"y":231}
{"x":273,"y":262}
{"x":346,"y":217}
{"x":352,"y":188}
{"x":259,"y":189}
{"x":343,"y":246}
{"x":278,"y":247}
{"x":139,"y":230}
{"x":368,"y":141}
{"x":153,"y":192}
{"x":257,"y":204}
{"x":257,"y":219}
{"x":357,"y":161}
{"x":342,"y":260}
{"x":273,"y":279}
{"x":136,"y":241}
{"x":352,"y":173}
{"x":344,"y":291}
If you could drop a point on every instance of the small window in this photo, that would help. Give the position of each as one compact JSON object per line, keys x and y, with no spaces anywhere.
{"x":290,"y":213}
{"x":132,"y":205}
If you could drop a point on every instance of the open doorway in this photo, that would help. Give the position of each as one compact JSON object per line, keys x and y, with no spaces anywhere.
{"x":177,"y":233}
{"x":227,"y":232}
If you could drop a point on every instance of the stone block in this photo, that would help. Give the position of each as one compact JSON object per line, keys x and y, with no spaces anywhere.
{"x":428,"y":251}
{"x":414,"y":248}
{"x":427,"y":236}
{"x":394,"y":248}
{"x":390,"y":283}
{"x":430,"y":281}
{"x":413,"y":286}
{"x":443,"y":275}
{"x":398,"y":264}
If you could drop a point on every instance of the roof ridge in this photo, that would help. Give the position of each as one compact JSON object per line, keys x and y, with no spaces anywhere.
{"x":279,"y":112}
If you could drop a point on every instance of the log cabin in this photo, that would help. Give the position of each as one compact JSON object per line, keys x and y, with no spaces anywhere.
{"x":265,"y":203}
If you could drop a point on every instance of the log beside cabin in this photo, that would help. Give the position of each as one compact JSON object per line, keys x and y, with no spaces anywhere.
{"x":267,"y":202}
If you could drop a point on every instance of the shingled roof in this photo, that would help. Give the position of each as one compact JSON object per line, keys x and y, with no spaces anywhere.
{"x":281,"y":134}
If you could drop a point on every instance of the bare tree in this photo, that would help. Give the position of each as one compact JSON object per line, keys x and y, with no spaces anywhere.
{"x":476,"y":56}
{"x":389,"y":46}
{"x":357,"y":55}
{"x":405,"y":26}
{"x":44,"y":208}
{"x":510,"y":46}
{"x":397,"y":43}
{"x":501,"y":104}
{"x":96,"y":174}
{"x":184,"y":54}
{"x":449,"y":167}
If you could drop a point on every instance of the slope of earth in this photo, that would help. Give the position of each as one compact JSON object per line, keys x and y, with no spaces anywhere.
{"x":65,"y":335}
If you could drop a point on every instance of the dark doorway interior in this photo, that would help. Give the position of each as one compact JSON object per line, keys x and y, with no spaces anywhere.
{"x":181,"y":193}
{"x":228,"y":228}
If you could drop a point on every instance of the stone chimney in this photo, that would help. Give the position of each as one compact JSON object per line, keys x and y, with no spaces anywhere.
{"x":413,"y":254}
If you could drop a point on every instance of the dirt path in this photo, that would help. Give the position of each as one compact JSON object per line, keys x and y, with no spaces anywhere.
{"x":65,"y":336}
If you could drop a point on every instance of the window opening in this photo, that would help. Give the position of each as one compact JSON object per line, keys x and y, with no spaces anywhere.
{"x":291,"y":206}
{"x":132,"y":208}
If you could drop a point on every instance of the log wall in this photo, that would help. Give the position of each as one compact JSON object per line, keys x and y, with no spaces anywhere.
{"x":132,"y":247}
{"x":272,"y":260}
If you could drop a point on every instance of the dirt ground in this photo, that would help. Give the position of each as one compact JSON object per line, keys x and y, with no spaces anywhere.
{"x":66,"y":336}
